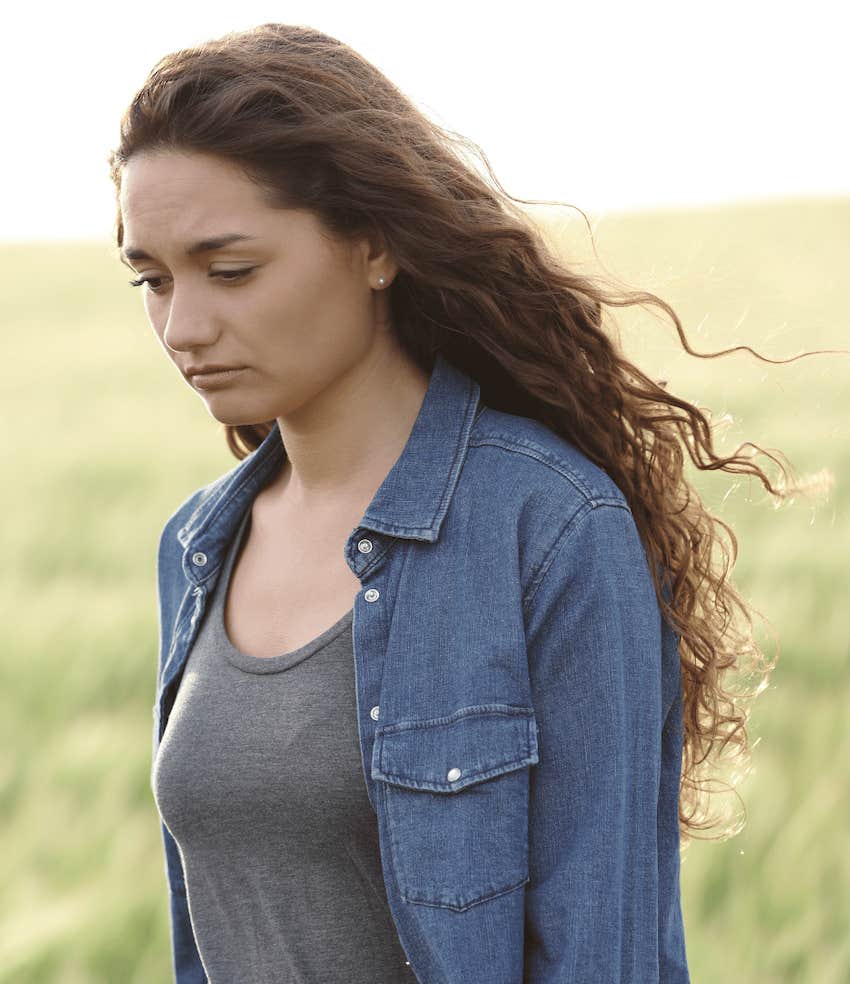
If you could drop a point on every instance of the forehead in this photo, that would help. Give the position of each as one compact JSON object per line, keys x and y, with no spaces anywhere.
{"x":173,"y":200}
{"x":170,"y":184}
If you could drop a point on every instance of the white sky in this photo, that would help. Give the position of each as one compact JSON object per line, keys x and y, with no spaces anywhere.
{"x":604,"y":105}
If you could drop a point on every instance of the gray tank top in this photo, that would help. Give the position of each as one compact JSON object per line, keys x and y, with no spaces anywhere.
{"x":259,"y":779}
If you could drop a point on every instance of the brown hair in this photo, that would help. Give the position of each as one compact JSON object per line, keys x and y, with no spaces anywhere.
{"x":316,"y":126}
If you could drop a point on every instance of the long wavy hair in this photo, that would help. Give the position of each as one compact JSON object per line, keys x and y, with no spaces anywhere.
{"x":317,"y":127}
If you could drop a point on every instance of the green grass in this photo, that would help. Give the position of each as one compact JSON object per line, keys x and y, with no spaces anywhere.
{"x":102,"y":439}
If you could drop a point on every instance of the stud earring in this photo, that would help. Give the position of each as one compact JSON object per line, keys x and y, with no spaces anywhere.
{"x":381,"y":281}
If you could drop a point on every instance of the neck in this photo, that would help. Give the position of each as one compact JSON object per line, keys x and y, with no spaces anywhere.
{"x":341,"y":446}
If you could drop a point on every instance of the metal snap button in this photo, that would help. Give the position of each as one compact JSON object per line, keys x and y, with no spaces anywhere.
{"x":373,"y":714}
{"x":453,"y":774}
{"x":365,"y":546}
{"x":372,"y":595}
{"x":199,"y":559}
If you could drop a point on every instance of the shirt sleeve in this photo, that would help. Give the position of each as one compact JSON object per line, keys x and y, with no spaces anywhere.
{"x":593,"y":633}
{"x":186,"y":961}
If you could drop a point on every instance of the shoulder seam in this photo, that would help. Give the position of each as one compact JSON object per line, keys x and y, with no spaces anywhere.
{"x":563,"y":536}
{"x":545,"y":457}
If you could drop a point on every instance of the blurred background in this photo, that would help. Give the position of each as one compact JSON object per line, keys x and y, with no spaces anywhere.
{"x":707,"y":149}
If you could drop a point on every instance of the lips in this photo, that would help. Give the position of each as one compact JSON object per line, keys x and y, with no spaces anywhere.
{"x":205,"y":380}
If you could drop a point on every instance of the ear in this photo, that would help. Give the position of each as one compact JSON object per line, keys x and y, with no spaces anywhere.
{"x":378,"y":260}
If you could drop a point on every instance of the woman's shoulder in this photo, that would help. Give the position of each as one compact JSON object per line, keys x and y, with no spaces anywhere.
{"x":184,"y":515}
{"x":532,"y":458}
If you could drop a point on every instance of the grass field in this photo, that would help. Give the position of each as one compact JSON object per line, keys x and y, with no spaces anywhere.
{"x":102,"y":439}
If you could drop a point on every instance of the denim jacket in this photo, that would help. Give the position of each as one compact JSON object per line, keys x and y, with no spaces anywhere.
{"x":518,"y":700}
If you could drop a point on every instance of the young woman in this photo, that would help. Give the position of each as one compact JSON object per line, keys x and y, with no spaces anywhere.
{"x":440,"y":655}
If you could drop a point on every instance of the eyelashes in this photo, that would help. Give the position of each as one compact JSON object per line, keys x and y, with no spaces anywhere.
{"x":228,"y":276}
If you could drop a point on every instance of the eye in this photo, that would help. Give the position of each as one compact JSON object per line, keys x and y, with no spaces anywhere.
{"x":144,"y":280}
{"x":228,"y":276}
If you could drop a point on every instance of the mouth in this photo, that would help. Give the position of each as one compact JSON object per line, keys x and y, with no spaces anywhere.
{"x":208,"y":380}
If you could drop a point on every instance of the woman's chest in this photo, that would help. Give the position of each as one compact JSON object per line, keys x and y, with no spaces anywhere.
{"x":287,"y":587}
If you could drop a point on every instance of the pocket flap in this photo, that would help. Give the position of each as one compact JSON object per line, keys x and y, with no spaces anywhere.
{"x":447,"y":754}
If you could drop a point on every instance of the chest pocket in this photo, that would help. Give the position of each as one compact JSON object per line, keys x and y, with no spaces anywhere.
{"x":454,"y":791}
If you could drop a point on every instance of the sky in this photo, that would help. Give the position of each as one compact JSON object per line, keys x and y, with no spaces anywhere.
{"x":608,"y":106}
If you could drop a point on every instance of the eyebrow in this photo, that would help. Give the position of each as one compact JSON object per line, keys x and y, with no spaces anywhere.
{"x":202,"y":246}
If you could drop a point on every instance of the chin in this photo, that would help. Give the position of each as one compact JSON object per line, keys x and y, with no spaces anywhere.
{"x":233,"y":418}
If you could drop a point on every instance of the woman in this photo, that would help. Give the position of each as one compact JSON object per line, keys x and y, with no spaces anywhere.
{"x":440,"y":656}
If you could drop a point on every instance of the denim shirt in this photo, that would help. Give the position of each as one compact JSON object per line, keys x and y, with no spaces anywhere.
{"x":518,"y":700}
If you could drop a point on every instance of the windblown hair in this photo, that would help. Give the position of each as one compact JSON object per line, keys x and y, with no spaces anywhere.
{"x":317,"y":127}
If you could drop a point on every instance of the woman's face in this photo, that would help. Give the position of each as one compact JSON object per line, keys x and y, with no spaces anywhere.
{"x":290,"y":307}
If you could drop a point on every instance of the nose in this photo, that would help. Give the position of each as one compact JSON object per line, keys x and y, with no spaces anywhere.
{"x":189,"y":326}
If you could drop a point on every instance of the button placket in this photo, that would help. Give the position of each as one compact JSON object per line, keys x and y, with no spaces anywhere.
{"x":366,"y":546}
{"x":198,"y":594}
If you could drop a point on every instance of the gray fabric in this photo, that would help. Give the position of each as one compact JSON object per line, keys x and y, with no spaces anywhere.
{"x":259,"y":779}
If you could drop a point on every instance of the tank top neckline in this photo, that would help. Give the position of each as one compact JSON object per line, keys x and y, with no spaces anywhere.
{"x":264,"y":664}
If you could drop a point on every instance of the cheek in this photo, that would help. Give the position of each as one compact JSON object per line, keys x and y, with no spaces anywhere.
{"x":311,"y":290}
{"x":151,"y":306}
{"x":157,"y":320}
{"x":318,"y":311}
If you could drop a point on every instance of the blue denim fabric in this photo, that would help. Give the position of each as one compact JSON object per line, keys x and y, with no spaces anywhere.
{"x":518,"y":699}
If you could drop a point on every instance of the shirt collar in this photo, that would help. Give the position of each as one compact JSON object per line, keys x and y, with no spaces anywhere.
{"x":412,"y":501}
